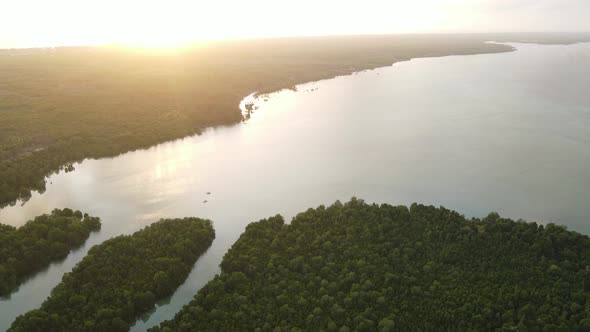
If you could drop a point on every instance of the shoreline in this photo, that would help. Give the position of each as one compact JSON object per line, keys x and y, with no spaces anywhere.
{"x":167,"y":97}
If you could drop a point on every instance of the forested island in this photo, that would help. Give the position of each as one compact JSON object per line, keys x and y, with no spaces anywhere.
{"x":368,"y":267}
{"x":122,"y":278}
{"x":62,"y":105}
{"x":47,"y":238}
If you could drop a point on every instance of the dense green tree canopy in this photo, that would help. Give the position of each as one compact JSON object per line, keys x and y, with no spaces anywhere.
{"x":380,"y":267}
{"x":122,"y":278}
{"x":33,"y":246}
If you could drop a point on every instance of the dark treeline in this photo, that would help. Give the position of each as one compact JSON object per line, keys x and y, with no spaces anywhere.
{"x":37,"y":243}
{"x":360,"y":267}
{"x":122,"y":278}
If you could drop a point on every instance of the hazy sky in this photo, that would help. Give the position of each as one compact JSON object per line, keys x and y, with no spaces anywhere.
{"x":25,"y":23}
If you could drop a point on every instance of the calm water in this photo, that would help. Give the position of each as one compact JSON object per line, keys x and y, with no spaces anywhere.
{"x":504,"y":132}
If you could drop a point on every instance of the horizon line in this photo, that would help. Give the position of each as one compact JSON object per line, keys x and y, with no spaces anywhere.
{"x":195,"y":42}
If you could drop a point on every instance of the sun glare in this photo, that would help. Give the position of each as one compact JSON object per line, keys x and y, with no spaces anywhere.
{"x":169,"y":24}
{"x":158,"y":24}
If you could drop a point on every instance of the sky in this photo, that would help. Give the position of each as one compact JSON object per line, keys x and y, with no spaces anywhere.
{"x":169,"y":23}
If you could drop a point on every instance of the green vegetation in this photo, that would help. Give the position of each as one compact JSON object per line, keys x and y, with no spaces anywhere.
{"x":368,"y":267}
{"x":30,"y":248}
{"x":122,"y":278}
{"x":62,"y":105}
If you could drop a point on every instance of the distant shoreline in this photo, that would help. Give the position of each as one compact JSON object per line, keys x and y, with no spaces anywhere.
{"x":543,"y":37}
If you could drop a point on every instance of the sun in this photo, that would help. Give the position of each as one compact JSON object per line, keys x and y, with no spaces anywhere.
{"x":155,"y":42}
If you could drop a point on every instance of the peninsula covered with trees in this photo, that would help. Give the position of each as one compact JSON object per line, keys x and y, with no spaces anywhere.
{"x":122,"y":278}
{"x":47,"y":238}
{"x":62,"y":105}
{"x":361,"y":267}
